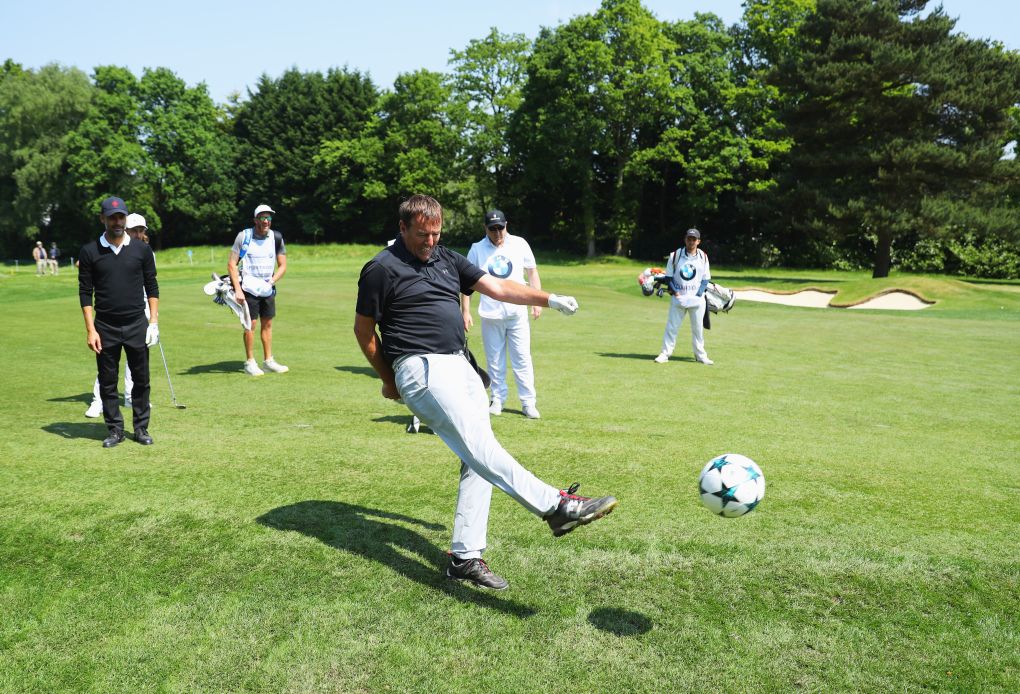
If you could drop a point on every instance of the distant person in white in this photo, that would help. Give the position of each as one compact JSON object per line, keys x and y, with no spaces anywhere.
{"x":505,"y":326}
{"x":263,"y":259}
{"x":688,"y":274}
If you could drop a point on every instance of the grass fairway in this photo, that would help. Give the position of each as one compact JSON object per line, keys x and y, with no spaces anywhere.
{"x":285,"y":535}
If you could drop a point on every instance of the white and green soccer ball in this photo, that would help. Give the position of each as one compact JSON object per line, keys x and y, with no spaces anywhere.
{"x":731,"y":485}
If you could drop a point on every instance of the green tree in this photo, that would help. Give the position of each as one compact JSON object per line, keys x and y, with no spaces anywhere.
{"x":599,"y":93}
{"x":899,"y":126}
{"x":487,"y":79}
{"x":38,"y":109}
{"x":104,"y":151}
{"x":189,"y":185}
{"x":279,"y":131}
{"x":410,"y":146}
{"x":766,"y":36}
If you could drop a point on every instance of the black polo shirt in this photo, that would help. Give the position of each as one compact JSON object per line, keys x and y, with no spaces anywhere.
{"x":416,"y":304}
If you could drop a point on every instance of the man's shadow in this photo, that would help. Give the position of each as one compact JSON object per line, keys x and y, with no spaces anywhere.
{"x":220,"y":367}
{"x":360,"y":370}
{"x":627,"y":355}
{"x":84,"y":397}
{"x":78,"y":430}
{"x":366,"y":532}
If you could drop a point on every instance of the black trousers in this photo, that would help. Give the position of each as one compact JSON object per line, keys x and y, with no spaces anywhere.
{"x":131,"y":339}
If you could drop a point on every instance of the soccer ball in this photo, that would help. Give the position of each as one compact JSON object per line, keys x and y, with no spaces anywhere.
{"x":731,"y":485}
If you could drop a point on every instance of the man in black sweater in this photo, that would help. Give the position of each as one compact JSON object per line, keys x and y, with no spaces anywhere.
{"x":120,"y":274}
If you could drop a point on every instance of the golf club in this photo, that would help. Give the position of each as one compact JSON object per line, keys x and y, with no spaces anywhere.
{"x":166,"y":368}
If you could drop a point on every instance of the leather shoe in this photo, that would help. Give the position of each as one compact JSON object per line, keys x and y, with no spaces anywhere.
{"x":142,"y":437}
{"x":115,"y":437}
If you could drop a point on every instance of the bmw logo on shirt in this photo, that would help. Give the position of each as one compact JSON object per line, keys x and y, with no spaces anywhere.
{"x":688,"y":271}
{"x":500,"y":266}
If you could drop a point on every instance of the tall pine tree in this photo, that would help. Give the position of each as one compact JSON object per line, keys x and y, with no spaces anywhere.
{"x":899,"y":125}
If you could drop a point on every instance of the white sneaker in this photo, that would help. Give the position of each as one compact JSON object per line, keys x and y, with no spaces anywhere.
{"x":496,"y":407}
{"x":706,"y":360}
{"x":95,"y":409}
{"x":662,"y":358}
{"x":252,"y":369}
{"x":531,"y":412}
{"x":272,"y":365}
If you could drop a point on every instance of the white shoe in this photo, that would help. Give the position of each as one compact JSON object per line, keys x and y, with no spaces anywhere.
{"x":706,"y":360}
{"x":252,"y":369}
{"x":271,"y":365}
{"x":496,"y":407}
{"x":95,"y":409}
{"x":531,"y":412}
{"x":662,"y":358}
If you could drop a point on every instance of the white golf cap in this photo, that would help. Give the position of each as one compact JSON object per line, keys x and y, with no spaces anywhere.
{"x":135,"y":220}
{"x":263,"y":208}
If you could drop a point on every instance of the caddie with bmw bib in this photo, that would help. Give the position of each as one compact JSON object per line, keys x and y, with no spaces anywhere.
{"x":688,"y":275}
{"x":505,"y":326}
{"x":409,"y":326}
{"x":258,"y":259}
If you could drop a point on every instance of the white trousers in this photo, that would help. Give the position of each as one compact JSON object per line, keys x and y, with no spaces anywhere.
{"x":448,"y":396}
{"x":514,"y":335}
{"x":676,"y":318}
{"x":128,"y":385}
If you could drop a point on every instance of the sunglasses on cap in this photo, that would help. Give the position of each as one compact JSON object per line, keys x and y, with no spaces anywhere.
{"x":496,"y":227}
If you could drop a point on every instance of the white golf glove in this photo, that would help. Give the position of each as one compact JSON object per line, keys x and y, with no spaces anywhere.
{"x":152,"y":335}
{"x":567,"y":305}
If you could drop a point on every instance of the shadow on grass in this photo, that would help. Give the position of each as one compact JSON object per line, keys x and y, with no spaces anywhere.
{"x":640,"y":357}
{"x":220,"y":367}
{"x":84,"y":397}
{"x":619,"y":622}
{"x":619,"y":355}
{"x":360,"y":370}
{"x":364,"y":531}
{"x":405,"y":420}
{"x":78,"y":430}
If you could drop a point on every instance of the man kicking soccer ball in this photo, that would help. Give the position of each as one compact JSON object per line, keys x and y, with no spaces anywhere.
{"x":411,"y":292}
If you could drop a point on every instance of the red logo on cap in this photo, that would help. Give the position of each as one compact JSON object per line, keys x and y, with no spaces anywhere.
{"x":115,"y":203}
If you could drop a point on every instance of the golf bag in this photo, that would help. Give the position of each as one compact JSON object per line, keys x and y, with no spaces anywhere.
{"x":222,"y":292}
{"x":719,"y":298}
{"x":654,"y":280}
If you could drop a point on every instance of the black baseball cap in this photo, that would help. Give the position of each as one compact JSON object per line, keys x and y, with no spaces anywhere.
{"x":694,"y":232}
{"x":113,"y":205}
{"x":494,"y":217}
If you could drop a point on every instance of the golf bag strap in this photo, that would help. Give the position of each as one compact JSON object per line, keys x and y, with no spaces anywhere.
{"x":245,"y":242}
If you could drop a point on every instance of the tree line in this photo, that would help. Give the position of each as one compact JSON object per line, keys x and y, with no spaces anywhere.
{"x":825,"y":133}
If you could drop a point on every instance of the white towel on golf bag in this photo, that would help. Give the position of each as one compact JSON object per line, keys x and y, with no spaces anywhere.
{"x":256,"y":286}
{"x":222,"y":293}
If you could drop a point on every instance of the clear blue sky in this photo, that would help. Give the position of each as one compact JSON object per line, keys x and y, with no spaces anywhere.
{"x":227,"y":44}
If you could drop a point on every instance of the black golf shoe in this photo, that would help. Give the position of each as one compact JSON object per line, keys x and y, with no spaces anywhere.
{"x":476,"y":572}
{"x":575,"y":510}
{"x":142,"y":436}
{"x":115,"y":437}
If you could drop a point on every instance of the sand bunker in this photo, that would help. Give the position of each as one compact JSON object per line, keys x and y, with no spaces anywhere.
{"x":811,"y":298}
{"x":895,"y":299}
